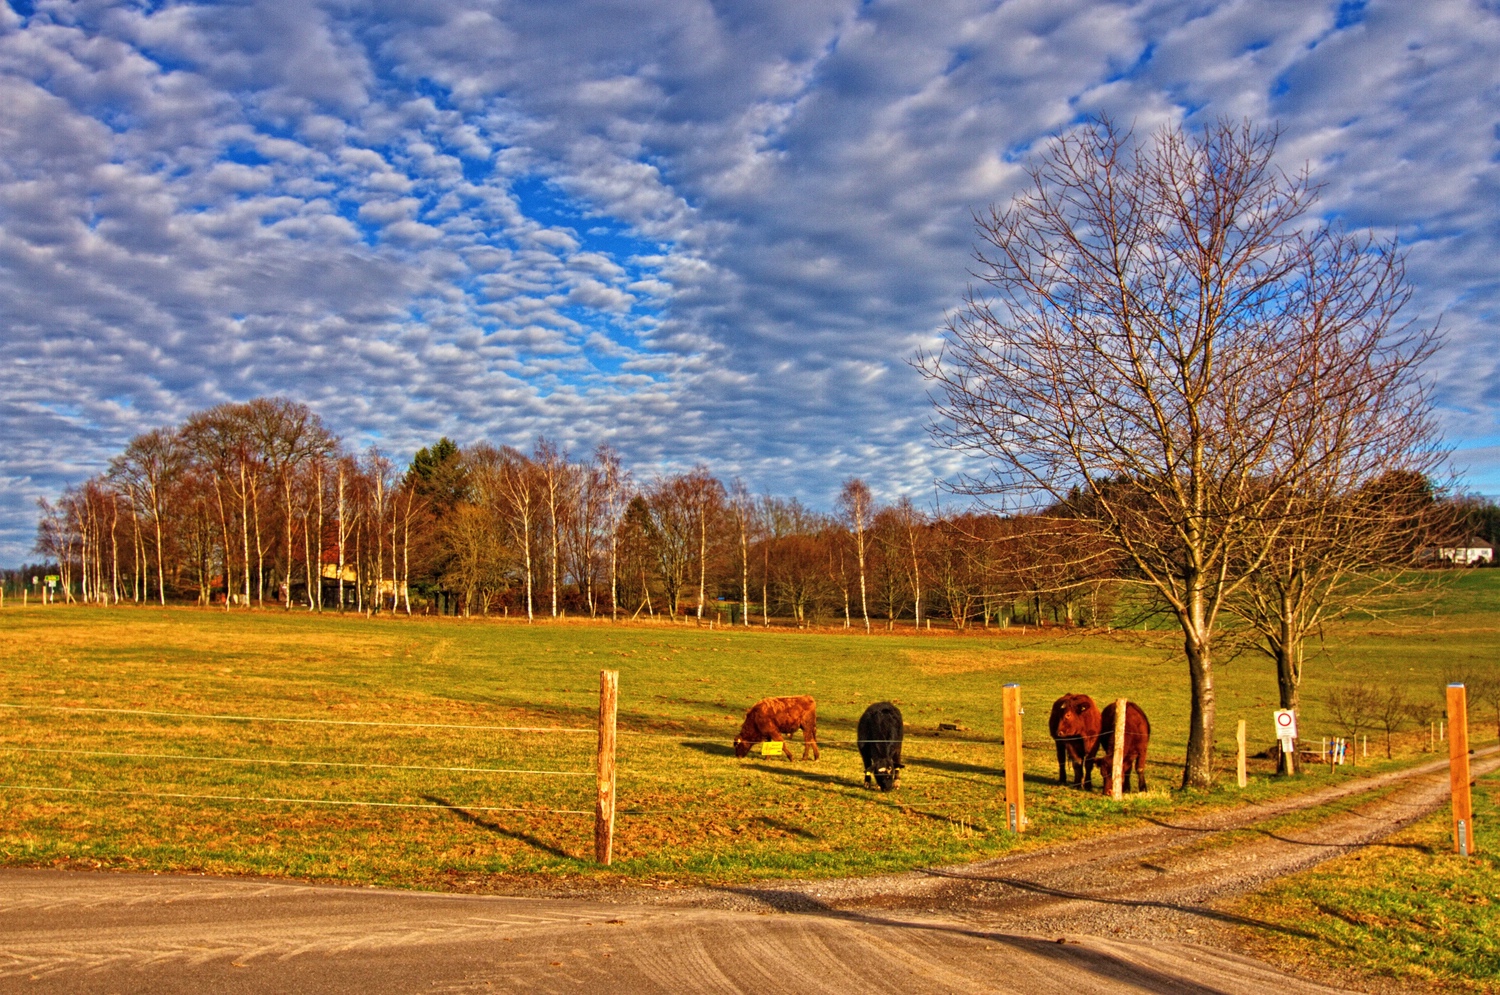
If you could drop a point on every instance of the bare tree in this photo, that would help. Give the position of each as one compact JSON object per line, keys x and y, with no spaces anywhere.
{"x":516,"y":482}
{"x":1393,"y":713}
{"x":1356,"y":706}
{"x":857,"y":507}
{"x":557,"y":479}
{"x":1152,"y":345}
{"x":147,"y":467}
{"x":742,"y":507}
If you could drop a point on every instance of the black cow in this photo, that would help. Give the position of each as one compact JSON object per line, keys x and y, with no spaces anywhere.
{"x":880,"y":732}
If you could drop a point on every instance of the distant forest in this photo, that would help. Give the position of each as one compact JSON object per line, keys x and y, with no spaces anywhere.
{"x":259,"y":504}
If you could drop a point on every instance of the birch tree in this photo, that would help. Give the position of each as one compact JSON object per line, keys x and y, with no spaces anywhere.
{"x":148,"y":467}
{"x":856,"y":506}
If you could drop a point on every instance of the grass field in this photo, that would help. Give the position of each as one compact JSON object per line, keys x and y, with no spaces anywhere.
{"x":1407,"y":909}
{"x":689,"y":810}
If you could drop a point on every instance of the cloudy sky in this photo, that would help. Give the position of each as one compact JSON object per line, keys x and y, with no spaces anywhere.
{"x":696,"y":230}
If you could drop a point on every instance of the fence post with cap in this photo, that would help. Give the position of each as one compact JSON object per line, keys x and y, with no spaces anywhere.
{"x":1458,"y":770}
{"x":1015,"y":797}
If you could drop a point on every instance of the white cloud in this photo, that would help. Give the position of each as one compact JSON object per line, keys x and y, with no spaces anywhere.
{"x":697,"y":232}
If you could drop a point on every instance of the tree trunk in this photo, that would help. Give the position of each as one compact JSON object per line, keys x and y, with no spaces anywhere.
{"x":343,"y":535}
{"x":260,"y":548}
{"x":1198,"y":770}
{"x":702,"y":559}
{"x":1288,"y":685}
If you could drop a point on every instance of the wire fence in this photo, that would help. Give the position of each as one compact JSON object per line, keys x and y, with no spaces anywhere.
{"x":303,"y":763}
{"x":149,"y":722}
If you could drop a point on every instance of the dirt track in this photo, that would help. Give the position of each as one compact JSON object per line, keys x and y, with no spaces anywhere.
{"x":991,"y":927}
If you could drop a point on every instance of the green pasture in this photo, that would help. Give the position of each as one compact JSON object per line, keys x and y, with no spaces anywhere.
{"x":110,"y":788}
{"x":1407,"y":908}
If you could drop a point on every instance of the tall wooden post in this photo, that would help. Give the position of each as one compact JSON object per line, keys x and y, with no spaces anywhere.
{"x":604,"y":805}
{"x":1239,"y":738}
{"x":1015,"y":796}
{"x":1117,"y":759}
{"x":1458,"y":769}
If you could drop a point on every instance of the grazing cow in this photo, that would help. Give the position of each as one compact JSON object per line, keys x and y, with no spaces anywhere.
{"x":880,"y":733}
{"x":773,"y":718}
{"x":1137,"y":738}
{"x":1074,"y":724}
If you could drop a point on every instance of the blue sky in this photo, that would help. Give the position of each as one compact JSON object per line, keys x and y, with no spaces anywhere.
{"x":695,"y":231}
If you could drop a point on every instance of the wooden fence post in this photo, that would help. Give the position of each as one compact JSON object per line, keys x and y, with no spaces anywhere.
{"x":1117,"y":761}
{"x":1015,"y":796}
{"x":1239,"y":737}
{"x":604,"y":805}
{"x":1458,"y":769}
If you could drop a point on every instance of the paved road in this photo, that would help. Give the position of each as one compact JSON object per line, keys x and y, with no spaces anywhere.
{"x":1054,"y":920}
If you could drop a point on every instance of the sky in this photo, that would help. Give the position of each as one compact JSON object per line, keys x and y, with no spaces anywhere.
{"x":695,"y":231}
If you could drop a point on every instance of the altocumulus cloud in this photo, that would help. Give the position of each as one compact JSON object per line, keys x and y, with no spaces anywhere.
{"x":692,"y":231}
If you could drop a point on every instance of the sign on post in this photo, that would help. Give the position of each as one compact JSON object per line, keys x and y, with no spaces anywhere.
{"x":1458,"y":769}
{"x":1285,"y":721}
{"x":1015,"y":799}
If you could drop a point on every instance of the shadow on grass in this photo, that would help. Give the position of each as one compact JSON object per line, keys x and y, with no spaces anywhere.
{"x":712,"y":749}
{"x":785,"y":827}
{"x":497,"y":829}
{"x":951,"y":766}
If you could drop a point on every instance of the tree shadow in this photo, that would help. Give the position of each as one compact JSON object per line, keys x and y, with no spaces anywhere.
{"x":1115,"y":970}
{"x":1201,"y":911}
{"x":857,"y":791}
{"x":497,"y":829}
{"x":785,"y":827}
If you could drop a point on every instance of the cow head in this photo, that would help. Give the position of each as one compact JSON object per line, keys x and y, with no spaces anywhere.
{"x":741,"y":748}
{"x":1080,"y":717}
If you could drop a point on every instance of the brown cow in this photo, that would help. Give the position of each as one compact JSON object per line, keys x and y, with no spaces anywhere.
{"x":1137,"y":738}
{"x":1074,"y":724}
{"x":772,"y":718}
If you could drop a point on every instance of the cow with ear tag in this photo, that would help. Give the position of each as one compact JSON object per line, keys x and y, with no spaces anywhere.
{"x":771,"y":719}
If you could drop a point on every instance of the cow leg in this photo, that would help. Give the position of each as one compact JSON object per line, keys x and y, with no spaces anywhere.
{"x":1062,"y":763}
{"x":1140,"y":772}
{"x":810,"y":739}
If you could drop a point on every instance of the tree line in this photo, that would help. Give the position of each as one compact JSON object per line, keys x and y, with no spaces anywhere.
{"x":259,"y":504}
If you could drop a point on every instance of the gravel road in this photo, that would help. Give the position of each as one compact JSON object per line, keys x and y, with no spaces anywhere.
{"x":1129,"y":912}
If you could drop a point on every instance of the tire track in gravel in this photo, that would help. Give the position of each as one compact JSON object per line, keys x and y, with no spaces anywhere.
{"x":1164,"y":876}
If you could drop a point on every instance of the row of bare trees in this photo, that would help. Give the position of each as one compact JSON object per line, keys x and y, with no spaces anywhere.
{"x":257,"y":503}
{"x":240,"y":503}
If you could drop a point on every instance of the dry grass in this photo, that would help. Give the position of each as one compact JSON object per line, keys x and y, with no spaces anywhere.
{"x":690,"y":811}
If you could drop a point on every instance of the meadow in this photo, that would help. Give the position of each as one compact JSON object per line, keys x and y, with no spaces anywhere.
{"x":1407,"y":909}
{"x":140,"y":738}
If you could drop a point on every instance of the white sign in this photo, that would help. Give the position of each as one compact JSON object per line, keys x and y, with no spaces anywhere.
{"x":1286,"y":723}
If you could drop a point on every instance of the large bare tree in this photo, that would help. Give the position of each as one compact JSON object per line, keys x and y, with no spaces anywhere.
{"x":1142,"y":339}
